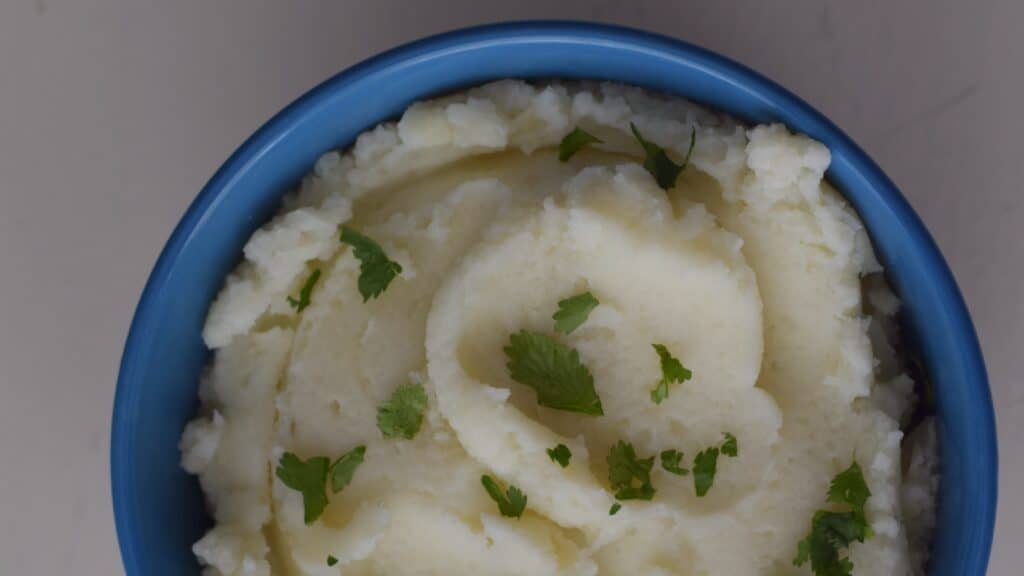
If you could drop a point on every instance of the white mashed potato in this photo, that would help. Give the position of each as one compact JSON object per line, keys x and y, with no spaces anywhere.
{"x":751,"y":270}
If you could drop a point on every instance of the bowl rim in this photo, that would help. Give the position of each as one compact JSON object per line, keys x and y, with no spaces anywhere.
{"x":978,"y":403}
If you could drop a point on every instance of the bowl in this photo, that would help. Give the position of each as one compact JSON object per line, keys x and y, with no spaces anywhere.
{"x":159,"y":509}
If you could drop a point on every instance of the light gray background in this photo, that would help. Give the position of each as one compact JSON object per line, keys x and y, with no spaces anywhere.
{"x":114,"y":113}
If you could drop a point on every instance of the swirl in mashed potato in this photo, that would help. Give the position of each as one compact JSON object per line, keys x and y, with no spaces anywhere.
{"x":751,"y":270}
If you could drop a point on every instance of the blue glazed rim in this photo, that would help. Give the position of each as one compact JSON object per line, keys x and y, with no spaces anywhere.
{"x":157,"y":508}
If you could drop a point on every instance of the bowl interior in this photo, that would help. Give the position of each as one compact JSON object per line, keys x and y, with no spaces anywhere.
{"x":159,"y":509}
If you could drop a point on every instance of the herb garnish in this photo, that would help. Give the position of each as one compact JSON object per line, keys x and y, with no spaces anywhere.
{"x":304,"y":294}
{"x":574,"y":141}
{"x":376,"y":270}
{"x":402,"y":415}
{"x":672,"y":370}
{"x":511,"y":503}
{"x":554,"y":371}
{"x":657,"y":162}
{"x":572,"y":312}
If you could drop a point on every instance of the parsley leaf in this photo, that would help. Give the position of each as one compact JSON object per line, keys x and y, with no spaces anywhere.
{"x":402,"y":415}
{"x":671,"y":460}
{"x":705,"y":465}
{"x":574,"y":141}
{"x":376,"y":270}
{"x":849,"y":487}
{"x":305,"y":292}
{"x":657,"y":162}
{"x":510,"y":504}
{"x":672,"y":370}
{"x":572,"y":312}
{"x":628,"y":475}
{"x":309,"y":478}
{"x":331,"y":560}
{"x":730,"y":447}
{"x":560,"y":454}
{"x":831,"y":531}
{"x":554,"y":371}
{"x":345,"y":467}
{"x":614,"y":509}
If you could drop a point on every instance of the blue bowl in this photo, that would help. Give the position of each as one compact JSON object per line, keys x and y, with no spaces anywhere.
{"x":159,"y":509}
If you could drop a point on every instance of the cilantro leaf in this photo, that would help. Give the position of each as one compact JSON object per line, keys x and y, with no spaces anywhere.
{"x":615,"y":509}
{"x":730,"y":447}
{"x":402,"y":415}
{"x":376,"y":270}
{"x":849,"y":487}
{"x":705,"y":465}
{"x":572,"y":312}
{"x":831,"y":531}
{"x":331,"y":560}
{"x":672,"y":370}
{"x":511,"y":503}
{"x":345,"y":467}
{"x":671,"y":460}
{"x":574,"y":141}
{"x":560,"y":454}
{"x":628,"y":475}
{"x":305,"y":292}
{"x":309,"y":478}
{"x":554,"y":371}
{"x":657,"y":162}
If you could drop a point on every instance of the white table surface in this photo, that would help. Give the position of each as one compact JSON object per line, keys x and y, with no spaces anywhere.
{"x":114,"y":113}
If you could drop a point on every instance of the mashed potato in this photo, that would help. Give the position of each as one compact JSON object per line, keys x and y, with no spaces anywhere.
{"x":751,"y":269}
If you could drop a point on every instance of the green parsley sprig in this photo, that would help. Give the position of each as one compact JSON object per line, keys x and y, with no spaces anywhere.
{"x":657,"y":162}
{"x":573,"y":312}
{"x":376,"y":270}
{"x":309,"y":478}
{"x":511,"y":503}
{"x":833,"y":531}
{"x":560,"y":454}
{"x":705,"y":464}
{"x":671,"y":461}
{"x":402,"y":415}
{"x":672,"y":371}
{"x":305,"y":292}
{"x":575,"y":141}
{"x":554,"y":371}
{"x":629,"y":475}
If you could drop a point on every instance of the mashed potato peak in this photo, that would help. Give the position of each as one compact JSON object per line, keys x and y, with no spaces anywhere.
{"x":750,"y":270}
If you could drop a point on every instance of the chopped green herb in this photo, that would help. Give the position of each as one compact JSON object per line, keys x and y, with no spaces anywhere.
{"x":704,"y":467}
{"x":572,"y":312}
{"x":554,"y":371}
{"x":511,"y":503}
{"x":730,"y":447}
{"x":574,"y":141}
{"x":615,"y":509}
{"x":672,"y":370}
{"x":376,"y":270}
{"x":628,"y":475}
{"x":345,"y":467}
{"x":309,"y":478}
{"x":657,"y":162}
{"x":671,"y":460}
{"x":305,"y":292}
{"x":402,"y":415}
{"x":560,"y":454}
{"x":832,"y":531}
{"x":849,"y":487}
{"x":331,"y":560}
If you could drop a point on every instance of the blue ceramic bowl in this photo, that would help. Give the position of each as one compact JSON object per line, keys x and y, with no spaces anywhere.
{"x":159,"y":509}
